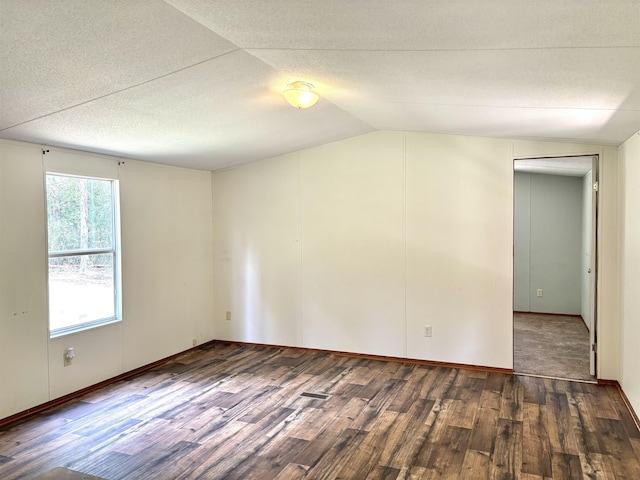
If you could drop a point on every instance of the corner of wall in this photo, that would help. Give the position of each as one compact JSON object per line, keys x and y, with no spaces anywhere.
{"x":628,"y":303}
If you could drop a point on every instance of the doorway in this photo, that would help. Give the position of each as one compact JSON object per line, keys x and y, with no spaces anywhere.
{"x":555,"y":258}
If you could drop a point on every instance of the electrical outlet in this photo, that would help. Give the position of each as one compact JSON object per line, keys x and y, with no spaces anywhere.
{"x":228,"y":316}
{"x":195,"y":342}
{"x":68,"y":355}
{"x":539,"y":292}
{"x":427,"y":330}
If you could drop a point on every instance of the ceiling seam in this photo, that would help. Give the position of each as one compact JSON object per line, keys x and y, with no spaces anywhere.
{"x":273,"y":67}
{"x":420,"y":50}
{"x":417,"y":102}
{"x":115,"y":92}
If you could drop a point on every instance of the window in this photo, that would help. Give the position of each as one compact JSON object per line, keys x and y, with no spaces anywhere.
{"x":84,"y":264}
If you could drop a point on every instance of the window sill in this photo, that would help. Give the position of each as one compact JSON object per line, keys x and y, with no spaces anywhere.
{"x":63,"y":332}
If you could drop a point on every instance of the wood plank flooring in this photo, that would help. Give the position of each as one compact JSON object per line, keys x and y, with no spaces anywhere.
{"x":229,"y":411}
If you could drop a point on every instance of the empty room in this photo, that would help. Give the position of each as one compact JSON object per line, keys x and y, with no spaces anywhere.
{"x":325,"y":240}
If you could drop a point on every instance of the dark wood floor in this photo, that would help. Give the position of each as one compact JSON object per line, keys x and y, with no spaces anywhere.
{"x":231,"y":411}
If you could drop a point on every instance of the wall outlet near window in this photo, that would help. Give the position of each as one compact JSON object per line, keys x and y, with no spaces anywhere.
{"x":539,"y":292}
{"x":427,"y":330}
{"x":228,"y":316}
{"x":68,"y":356}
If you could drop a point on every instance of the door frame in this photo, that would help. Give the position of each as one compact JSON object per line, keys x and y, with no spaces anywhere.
{"x":595,"y":247}
{"x":593,"y":301}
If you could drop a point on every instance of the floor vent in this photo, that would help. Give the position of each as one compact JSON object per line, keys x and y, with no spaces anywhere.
{"x":320,"y":396}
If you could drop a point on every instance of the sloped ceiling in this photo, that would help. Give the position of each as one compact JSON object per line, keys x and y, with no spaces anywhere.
{"x":198,"y":83}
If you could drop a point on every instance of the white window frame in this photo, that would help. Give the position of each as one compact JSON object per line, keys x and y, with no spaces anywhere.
{"x":115,"y":251}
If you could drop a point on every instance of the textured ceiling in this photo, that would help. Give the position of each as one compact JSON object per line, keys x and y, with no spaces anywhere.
{"x":198,"y":83}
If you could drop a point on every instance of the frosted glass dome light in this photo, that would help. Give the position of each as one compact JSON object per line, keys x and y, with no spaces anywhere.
{"x":300,"y":94}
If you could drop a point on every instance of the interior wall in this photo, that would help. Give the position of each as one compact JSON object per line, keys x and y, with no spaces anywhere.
{"x":608,"y":316}
{"x":185,"y":201}
{"x":548,"y":242}
{"x":459,"y":241}
{"x":387,"y":225}
{"x":396,"y":231}
{"x":629,"y":157}
{"x":167,"y":238}
{"x":585,"y":257}
{"x":352,"y":229}
{"x":521,"y":242}
{"x":257,"y":244}
{"x":24,"y":379}
{"x":166,"y":218}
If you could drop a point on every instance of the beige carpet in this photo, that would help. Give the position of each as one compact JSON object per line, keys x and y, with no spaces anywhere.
{"x":551,"y":345}
{"x":65,"y":474}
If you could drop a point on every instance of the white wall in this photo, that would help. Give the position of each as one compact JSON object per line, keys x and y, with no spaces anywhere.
{"x":352,"y":235}
{"x":459,"y":240}
{"x":167,"y":237}
{"x":324,"y":219}
{"x":585,"y":257}
{"x":629,"y":157}
{"x":434,"y":249}
{"x":24,"y":380}
{"x":356,"y":245}
{"x":608,"y":324}
{"x":257,"y":245}
{"x":387,"y":225}
{"x":167,"y":275}
{"x":547,"y":243}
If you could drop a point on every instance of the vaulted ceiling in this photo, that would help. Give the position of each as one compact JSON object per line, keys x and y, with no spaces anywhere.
{"x":198,"y":83}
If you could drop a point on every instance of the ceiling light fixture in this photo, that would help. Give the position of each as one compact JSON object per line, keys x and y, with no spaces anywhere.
{"x":301,"y":94}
